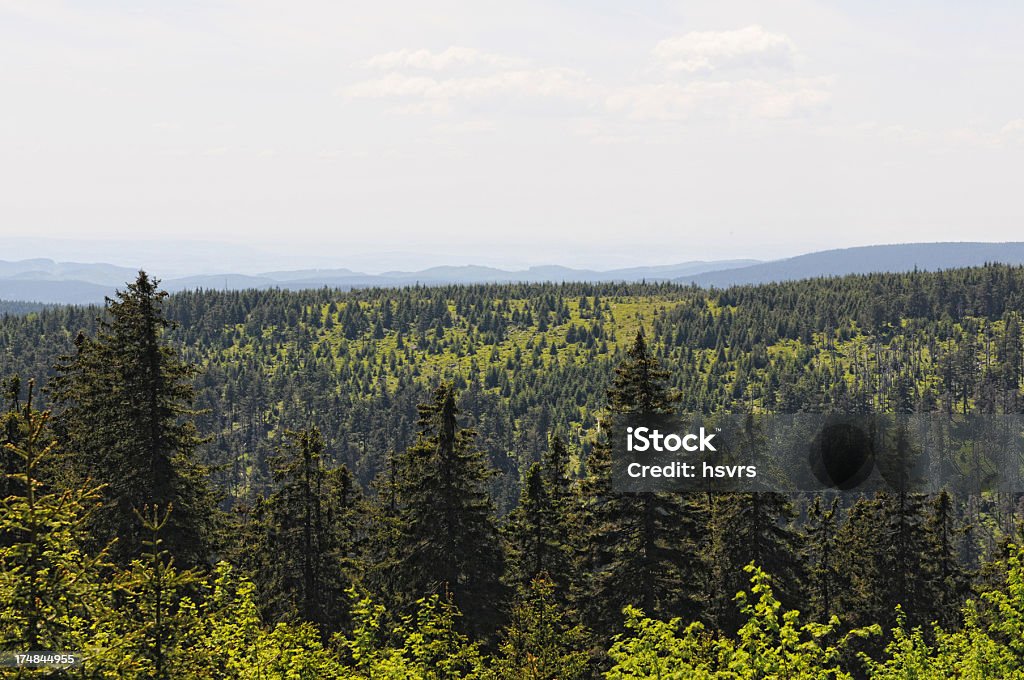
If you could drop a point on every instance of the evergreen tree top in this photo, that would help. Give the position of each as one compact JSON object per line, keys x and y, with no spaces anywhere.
{"x":640,"y":384}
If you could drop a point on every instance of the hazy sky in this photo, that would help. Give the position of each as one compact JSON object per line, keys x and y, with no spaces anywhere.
{"x":587,"y":132}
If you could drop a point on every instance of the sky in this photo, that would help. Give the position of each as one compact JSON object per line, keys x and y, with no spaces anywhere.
{"x":585,"y":133}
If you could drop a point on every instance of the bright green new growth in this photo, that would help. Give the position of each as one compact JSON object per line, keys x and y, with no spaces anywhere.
{"x":771,"y":644}
{"x":49,"y":587}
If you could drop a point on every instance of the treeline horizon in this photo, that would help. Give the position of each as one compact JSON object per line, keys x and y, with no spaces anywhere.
{"x":416,"y":483}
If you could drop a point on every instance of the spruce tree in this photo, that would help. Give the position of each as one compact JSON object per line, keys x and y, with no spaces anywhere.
{"x":555,"y":467}
{"x":749,"y":528}
{"x":903,"y":538}
{"x":447,"y":543}
{"x":861,"y":598}
{"x":314,"y":529}
{"x":51,"y":590}
{"x":947,"y":580}
{"x":641,"y":549}
{"x":125,"y":407}
{"x":883,"y":561}
{"x":155,"y":622}
{"x":819,"y":557}
{"x":14,"y":428}
{"x":536,"y":534}
{"x":752,"y":528}
{"x":540,"y":642}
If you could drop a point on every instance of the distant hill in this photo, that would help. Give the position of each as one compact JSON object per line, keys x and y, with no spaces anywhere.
{"x":63,"y":292}
{"x":46,"y":281}
{"x":346,"y":278}
{"x":217,"y":282}
{"x":864,"y":260}
{"x":47,"y":270}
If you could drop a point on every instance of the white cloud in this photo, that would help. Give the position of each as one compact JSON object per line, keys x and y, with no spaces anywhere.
{"x":714,"y":50}
{"x":423,"y":82}
{"x":1013,"y":131}
{"x":545,"y":82}
{"x":430,"y":82}
{"x":439,"y":61}
{"x":731,"y":99}
{"x":718,"y":96}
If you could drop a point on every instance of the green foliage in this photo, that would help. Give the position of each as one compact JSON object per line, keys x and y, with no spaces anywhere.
{"x":988,"y":646}
{"x":425,"y":645}
{"x":156,"y":614}
{"x":50,"y":588}
{"x":125,"y":401}
{"x":773,"y":644}
{"x":1004,"y":616}
{"x":537,"y":535}
{"x":539,"y":643}
{"x":642,"y":548}
{"x":770,"y":644}
{"x":307,"y":544}
{"x":447,"y":540}
{"x":516,"y":363}
{"x":655,"y":649}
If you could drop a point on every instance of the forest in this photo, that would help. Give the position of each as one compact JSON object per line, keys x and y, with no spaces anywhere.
{"x":416,"y":483}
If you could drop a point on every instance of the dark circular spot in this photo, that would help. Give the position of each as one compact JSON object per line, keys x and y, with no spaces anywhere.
{"x":841,"y":456}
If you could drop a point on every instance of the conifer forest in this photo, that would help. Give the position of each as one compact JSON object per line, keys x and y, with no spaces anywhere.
{"x":416,"y":483}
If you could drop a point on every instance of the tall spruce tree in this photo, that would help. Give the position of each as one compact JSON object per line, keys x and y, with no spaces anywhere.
{"x":313,"y":533}
{"x":125,"y":401}
{"x":860,"y":598}
{"x":641,"y":549}
{"x":752,"y":528}
{"x":819,"y":557}
{"x":883,"y":557}
{"x":903,"y":516}
{"x":537,"y":535}
{"x":947,"y":579}
{"x":447,"y":542}
{"x":14,"y":428}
